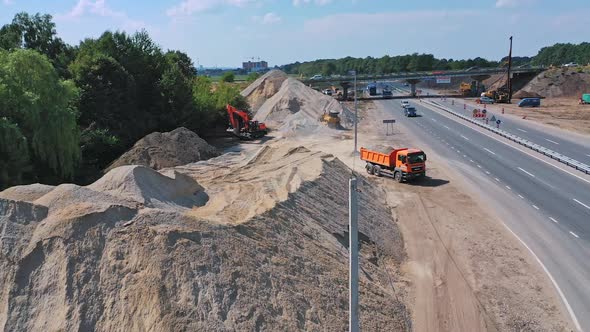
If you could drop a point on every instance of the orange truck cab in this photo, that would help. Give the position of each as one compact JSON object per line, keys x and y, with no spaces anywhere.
{"x":403,"y":164}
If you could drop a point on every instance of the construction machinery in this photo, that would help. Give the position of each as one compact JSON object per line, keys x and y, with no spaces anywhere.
{"x":585,"y":99}
{"x":468,"y":89}
{"x":242,"y":125}
{"x":331,"y":118}
{"x":403,"y":164}
{"x":500,"y":95}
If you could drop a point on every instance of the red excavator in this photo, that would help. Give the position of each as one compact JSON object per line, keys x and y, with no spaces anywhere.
{"x":241,"y":125}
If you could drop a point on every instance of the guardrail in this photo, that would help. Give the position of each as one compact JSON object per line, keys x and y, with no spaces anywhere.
{"x":533,"y":146}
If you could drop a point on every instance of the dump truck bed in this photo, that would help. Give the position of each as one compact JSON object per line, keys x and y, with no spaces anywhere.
{"x":376,"y":157}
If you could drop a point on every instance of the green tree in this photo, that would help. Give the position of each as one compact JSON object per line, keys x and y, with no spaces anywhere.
{"x":228,"y":76}
{"x":14,"y":154}
{"x":42,"y":106}
{"x":252,"y":77}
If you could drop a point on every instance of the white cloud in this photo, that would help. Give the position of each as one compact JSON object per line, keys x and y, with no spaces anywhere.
{"x":188,"y":7}
{"x":512,"y":3}
{"x":8,"y":2}
{"x":268,"y":18}
{"x":298,"y":3}
{"x":101,"y":8}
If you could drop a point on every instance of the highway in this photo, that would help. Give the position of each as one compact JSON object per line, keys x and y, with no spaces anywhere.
{"x":577,"y":150}
{"x":547,"y":208}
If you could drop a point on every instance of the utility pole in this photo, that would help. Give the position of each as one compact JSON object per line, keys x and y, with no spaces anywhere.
{"x":353,"y":281}
{"x":509,"y":69}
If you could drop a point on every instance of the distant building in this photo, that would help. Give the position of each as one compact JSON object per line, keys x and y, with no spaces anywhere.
{"x":255,"y":66}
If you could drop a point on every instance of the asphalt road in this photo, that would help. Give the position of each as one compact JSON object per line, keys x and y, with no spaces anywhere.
{"x":547,"y":208}
{"x":567,"y":147}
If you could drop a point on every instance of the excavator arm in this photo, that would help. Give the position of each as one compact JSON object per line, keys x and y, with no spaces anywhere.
{"x":242,"y":125}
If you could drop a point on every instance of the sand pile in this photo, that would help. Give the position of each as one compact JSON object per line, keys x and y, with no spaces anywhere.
{"x":561,"y":82}
{"x":526,"y":94}
{"x":298,"y":108}
{"x":263,"y":88}
{"x":159,"y":150}
{"x":268,"y":251}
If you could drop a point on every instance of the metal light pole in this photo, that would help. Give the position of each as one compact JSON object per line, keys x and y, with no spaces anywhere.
{"x":353,"y":281}
{"x":355,"y":114}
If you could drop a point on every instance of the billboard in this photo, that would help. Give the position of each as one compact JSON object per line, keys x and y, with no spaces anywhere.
{"x":443,"y":79}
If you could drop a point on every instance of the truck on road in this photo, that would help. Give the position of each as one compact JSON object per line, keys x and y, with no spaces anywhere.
{"x":403,"y":164}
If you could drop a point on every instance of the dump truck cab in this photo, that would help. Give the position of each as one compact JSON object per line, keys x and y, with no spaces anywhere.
{"x":403,"y":164}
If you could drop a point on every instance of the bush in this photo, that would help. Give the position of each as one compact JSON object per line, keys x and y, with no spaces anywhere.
{"x":228,"y":77}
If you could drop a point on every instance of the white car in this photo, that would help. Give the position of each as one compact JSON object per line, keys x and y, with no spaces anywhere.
{"x":405,"y":103}
{"x":571,"y":64}
{"x":316,"y":77}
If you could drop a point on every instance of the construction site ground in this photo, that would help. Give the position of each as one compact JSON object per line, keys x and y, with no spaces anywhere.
{"x":465,"y":270}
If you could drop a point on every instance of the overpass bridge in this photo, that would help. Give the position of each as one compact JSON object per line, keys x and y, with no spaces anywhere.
{"x":413,"y":78}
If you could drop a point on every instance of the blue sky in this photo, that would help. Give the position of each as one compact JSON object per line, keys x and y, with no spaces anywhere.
{"x":227,"y":32}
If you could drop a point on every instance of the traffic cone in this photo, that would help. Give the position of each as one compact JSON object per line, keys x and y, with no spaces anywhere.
{"x":502,"y":110}
{"x":464,"y":106}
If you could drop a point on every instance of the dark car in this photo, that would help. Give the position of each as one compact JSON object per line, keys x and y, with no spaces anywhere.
{"x":410,"y":112}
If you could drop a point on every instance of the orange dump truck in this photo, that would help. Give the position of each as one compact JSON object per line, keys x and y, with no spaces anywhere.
{"x":403,"y":164}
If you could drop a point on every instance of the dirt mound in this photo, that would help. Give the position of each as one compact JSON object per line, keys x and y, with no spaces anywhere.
{"x":159,"y":150}
{"x":263,"y":88}
{"x":298,"y":108}
{"x":525,"y":94}
{"x":28,"y":193}
{"x":150,"y":188}
{"x":267,"y":252}
{"x":562,"y":82}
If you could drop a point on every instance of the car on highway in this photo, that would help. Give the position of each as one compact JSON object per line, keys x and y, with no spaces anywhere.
{"x":485,"y":100}
{"x":387,"y":93}
{"x":410,"y":112}
{"x":328,"y":92}
{"x":316,"y":77}
{"x":530,"y":102}
{"x":405,"y":103}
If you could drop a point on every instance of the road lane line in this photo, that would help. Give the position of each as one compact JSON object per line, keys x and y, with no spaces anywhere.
{"x":508,"y":187}
{"x":497,"y":179}
{"x":447,"y":127}
{"x":536,"y":207}
{"x":554,"y":142}
{"x":584,"y":205}
{"x":490,"y":151}
{"x":519,"y":195}
{"x":524,"y":131}
{"x":464,"y":156}
{"x":555,"y":221}
{"x":479,"y":166}
{"x":553,"y":281}
{"x":470,"y":160}
{"x":574,"y":234}
{"x":488,"y":173}
{"x":467,"y":139}
{"x":517,"y":148}
{"x":526,"y":172}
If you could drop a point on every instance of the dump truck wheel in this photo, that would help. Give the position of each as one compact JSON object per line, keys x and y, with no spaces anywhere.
{"x":369,"y":168}
{"x":377,"y":170}
{"x":398,"y":176}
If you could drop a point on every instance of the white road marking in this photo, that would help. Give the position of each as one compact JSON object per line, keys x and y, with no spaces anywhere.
{"x":488,"y":173}
{"x":554,"y":142}
{"x":524,"y":131}
{"x":574,"y":234}
{"x":519,"y":195}
{"x":479,"y":166}
{"x":458,"y":151}
{"x":467,"y":139}
{"x":497,"y":179}
{"x":526,"y":172}
{"x":433,"y":119}
{"x":588,"y":155}
{"x":584,"y":205}
{"x":471,"y":160}
{"x":536,"y":207}
{"x":518,"y":148}
{"x":447,"y":127}
{"x":555,"y":221}
{"x":508,"y":187}
{"x":490,"y":151}
{"x":464,"y":156}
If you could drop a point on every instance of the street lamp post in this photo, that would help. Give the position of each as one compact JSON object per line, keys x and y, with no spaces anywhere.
{"x":355,"y":114}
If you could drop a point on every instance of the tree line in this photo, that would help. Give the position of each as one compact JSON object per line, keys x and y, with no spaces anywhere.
{"x":67,"y":111}
{"x":556,"y":55}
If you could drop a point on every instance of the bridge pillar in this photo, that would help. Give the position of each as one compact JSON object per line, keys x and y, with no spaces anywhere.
{"x":479,"y":79}
{"x":413,"y":83}
{"x":345,"y":86}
